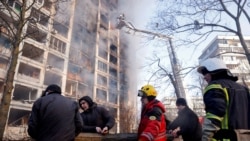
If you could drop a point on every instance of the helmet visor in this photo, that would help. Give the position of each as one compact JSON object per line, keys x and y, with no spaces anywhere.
{"x":141,"y":93}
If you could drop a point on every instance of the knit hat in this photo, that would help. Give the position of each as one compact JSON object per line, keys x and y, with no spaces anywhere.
{"x":181,"y":101}
{"x":87,"y":99}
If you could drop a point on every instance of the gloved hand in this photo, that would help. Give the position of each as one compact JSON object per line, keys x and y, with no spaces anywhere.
{"x":208,"y":130}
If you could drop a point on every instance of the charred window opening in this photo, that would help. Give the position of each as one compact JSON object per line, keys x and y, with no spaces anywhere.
{"x":113,"y":72}
{"x":39,"y":17}
{"x":102,"y":80}
{"x":104,"y":22}
{"x":55,"y":62}
{"x":34,"y":33}
{"x":28,"y":73}
{"x":18,"y":118}
{"x":52,"y":78}
{"x":32,"y":52}
{"x":57,"y":45}
{"x":60,"y":28}
{"x":113,"y":59}
{"x":101,"y":94}
{"x":25,"y":94}
{"x":113,"y":49}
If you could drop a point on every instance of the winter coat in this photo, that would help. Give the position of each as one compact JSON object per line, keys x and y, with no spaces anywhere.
{"x":152,"y":126}
{"x":54,"y":118}
{"x":227,"y":105}
{"x":190,"y":128}
{"x":96,"y":116}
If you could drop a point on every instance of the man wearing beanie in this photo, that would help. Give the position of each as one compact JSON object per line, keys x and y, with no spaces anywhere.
{"x":186,"y":123}
{"x":54,"y":117}
{"x":152,"y":126}
{"x":96,"y":119}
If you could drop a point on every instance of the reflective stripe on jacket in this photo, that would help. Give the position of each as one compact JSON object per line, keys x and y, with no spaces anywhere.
{"x":152,"y":126}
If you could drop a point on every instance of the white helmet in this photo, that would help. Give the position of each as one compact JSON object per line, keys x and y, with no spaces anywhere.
{"x":212,"y":64}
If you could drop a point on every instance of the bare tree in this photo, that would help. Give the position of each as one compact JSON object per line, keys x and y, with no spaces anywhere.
{"x":198,"y":19}
{"x":19,"y":20}
{"x":128,"y":119}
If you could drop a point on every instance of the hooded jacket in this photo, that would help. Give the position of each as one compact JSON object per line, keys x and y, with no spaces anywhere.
{"x":95,"y":116}
{"x":54,"y":118}
{"x":152,"y":126}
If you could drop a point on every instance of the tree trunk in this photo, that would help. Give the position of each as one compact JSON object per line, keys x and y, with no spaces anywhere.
{"x":8,"y":86}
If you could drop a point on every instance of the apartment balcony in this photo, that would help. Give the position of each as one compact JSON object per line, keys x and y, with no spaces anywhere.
{"x":28,"y":79}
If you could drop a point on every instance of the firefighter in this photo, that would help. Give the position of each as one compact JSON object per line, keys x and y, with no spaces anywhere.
{"x":226,"y":102}
{"x":152,"y":126}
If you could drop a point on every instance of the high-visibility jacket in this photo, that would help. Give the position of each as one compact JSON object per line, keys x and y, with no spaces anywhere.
{"x":227,"y":105}
{"x":152,"y":126}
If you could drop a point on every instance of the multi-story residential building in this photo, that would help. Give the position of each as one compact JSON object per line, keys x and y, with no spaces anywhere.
{"x":77,"y":49}
{"x":229,"y":49}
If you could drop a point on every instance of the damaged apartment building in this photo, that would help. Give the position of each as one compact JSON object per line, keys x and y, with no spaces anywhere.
{"x":76,"y":48}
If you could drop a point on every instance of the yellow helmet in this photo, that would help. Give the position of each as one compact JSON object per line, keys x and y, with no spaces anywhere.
{"x":147,"y":90}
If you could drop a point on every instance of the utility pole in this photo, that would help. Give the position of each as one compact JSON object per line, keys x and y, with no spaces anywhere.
{"x":177,"y":83}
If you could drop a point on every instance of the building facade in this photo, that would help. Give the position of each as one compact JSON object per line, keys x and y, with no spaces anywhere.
{"x":72,"y":44}
{"x":229,"y":49}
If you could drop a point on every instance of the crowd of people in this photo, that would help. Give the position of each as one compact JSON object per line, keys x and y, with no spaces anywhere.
{"x":227,"y":107}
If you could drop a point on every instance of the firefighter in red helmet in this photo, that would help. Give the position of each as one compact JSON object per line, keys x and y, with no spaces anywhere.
{"x":152,"y":125}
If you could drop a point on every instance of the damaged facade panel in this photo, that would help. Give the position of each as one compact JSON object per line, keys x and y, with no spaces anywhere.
{"x":28,"y":73}
{"x":32,"y":52}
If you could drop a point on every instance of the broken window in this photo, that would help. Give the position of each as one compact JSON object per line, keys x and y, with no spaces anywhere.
{"x":102,"y":66}
{"x":28,"y":72}
{"x":104,"y":22}
{"x":113,"y":49}
{"x":71,"y":88}
{"x":32,"y":52}
{"x":57,"y":45}
{"x":25,"y":94}
{"x":101,"y":80}
{"x":113,"y":59}
{"x":55,"y":62}
{"x":61,"y":29}
{"x":34,"y":33}
{"x":113,"y":97}
{"x":103,"y":54}
{"x":39,"y":17}
{"x":52,"y":78}
{"x":113,"y":72}
{"x":101,"y":94}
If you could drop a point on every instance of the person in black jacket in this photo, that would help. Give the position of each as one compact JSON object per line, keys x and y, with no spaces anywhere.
{"x":186,"y":123}
{"x":227,"y":103}
{"x":54,"y":117}
{"x":96,"y":119}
